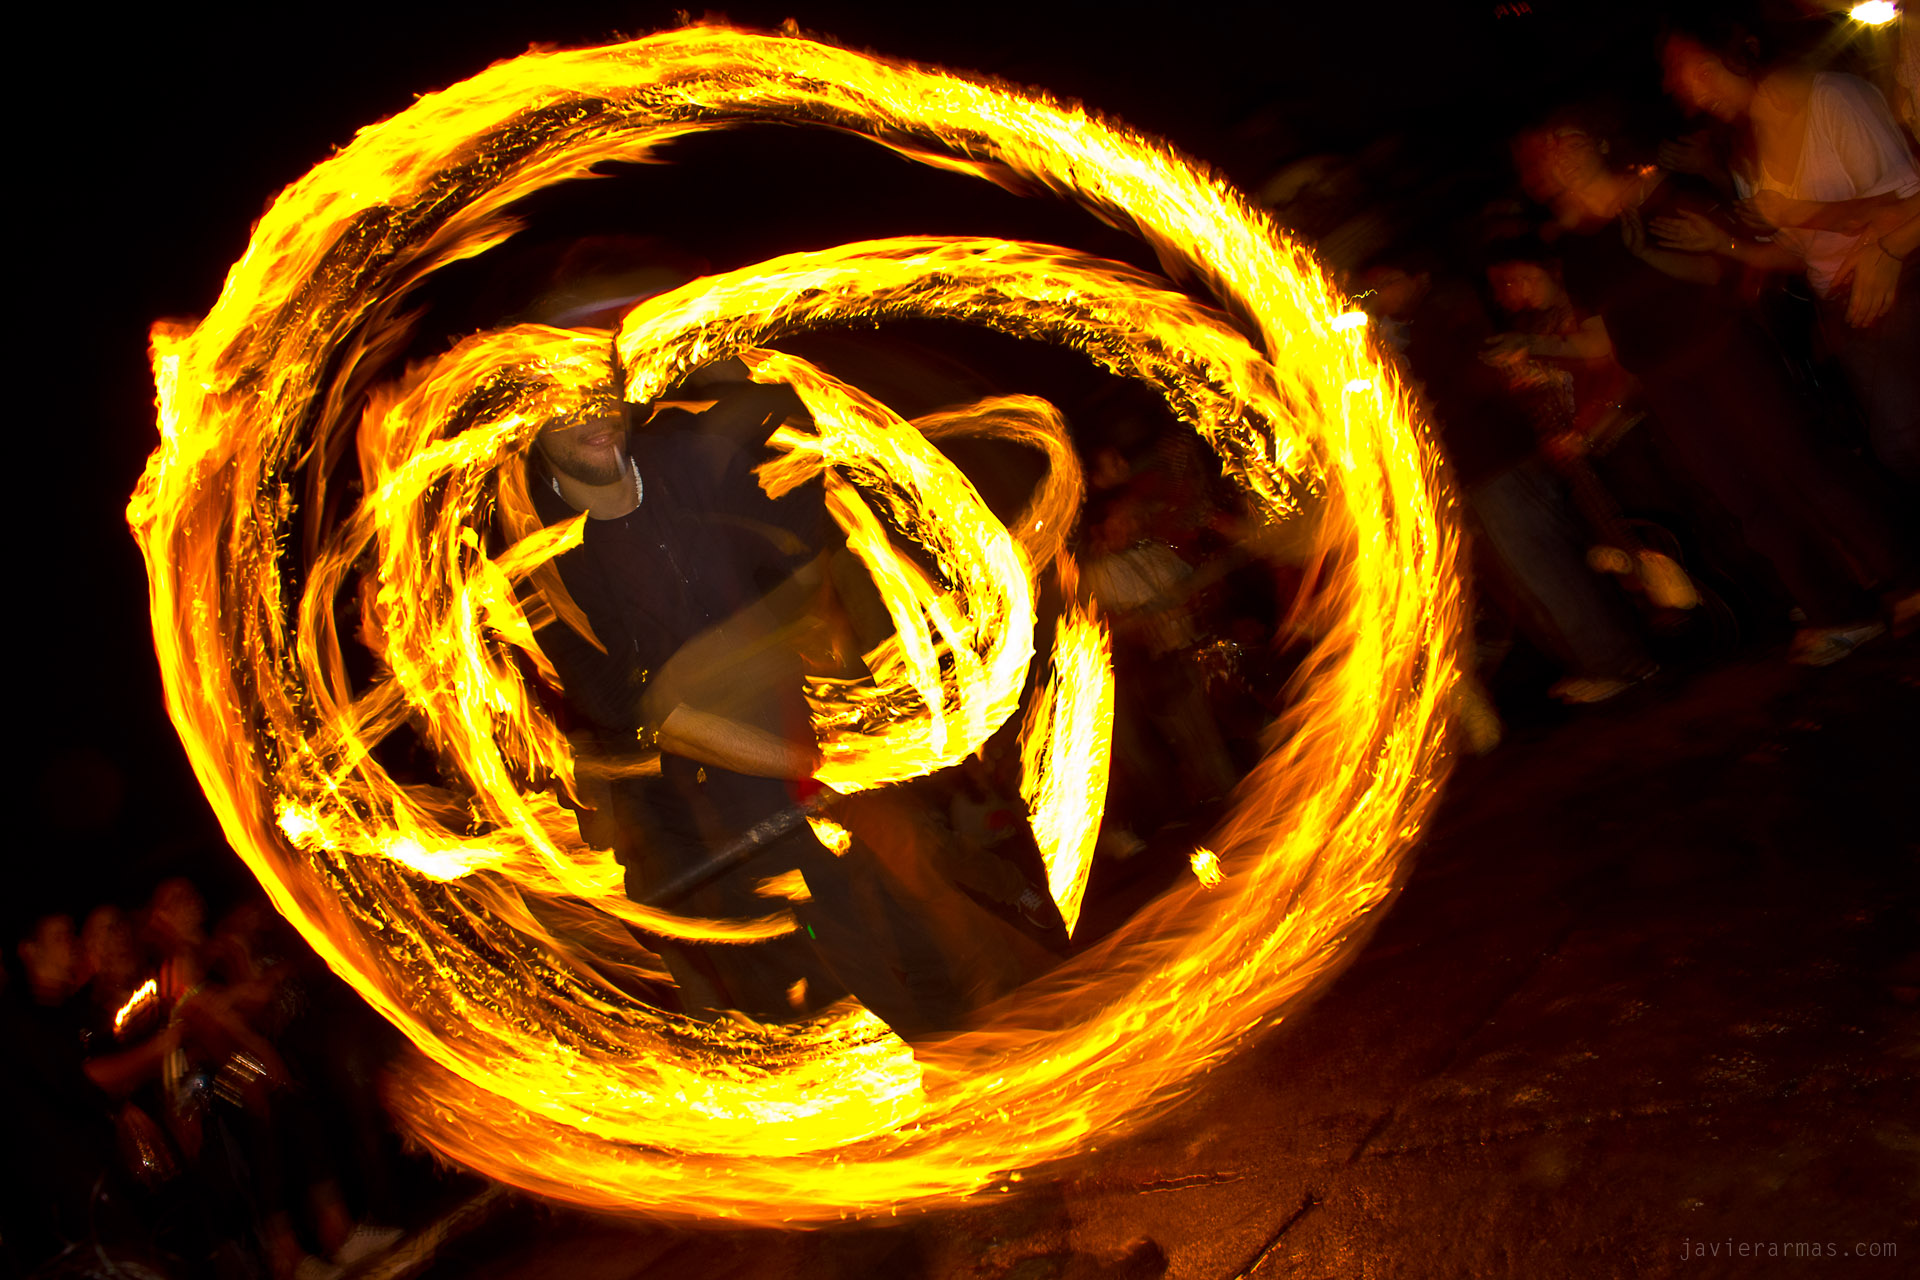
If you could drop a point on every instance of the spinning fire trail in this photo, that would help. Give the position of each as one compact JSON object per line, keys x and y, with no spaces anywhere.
{"x":472,"y":914}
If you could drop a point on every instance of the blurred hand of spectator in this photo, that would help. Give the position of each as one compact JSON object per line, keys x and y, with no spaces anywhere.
{"x":1690,"y":153}
{"x":119,"y":1074}
{"x":219,"y":1031}
{"x":1876,"y":277}
{"x":1633,"y":232}
{"x":1770,"y":209}
{"x":1690,"y":232}
{"x":1505,"y":349}
{"x":1569,"y":446}
{"x":1750,"y":220}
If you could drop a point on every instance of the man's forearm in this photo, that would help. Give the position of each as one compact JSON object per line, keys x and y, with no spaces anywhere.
{"x":1847,"y":216}
{"x":729,"y":744}
{"x":1589,"y":342}
{"x":1898,"y":227}
{"x":1762,"y":255}
{"x":119,"y":1074}
{"x":1694,"y":268}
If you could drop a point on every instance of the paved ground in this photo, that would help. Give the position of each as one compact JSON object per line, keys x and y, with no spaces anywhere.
{"x":1653,"y":987}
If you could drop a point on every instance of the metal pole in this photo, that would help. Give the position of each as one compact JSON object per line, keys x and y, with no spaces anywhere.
{"x":740,"y":850}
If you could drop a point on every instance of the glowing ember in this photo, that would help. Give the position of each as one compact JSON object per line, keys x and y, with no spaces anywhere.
{"x":471,"y":912}
{"x":788,"y":884}
{"x":143,"y":995}
{"x":831,"y":834}
{"x":1206,"y":867}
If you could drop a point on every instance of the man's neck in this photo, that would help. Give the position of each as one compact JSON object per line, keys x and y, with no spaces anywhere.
{"x":602,"y":501}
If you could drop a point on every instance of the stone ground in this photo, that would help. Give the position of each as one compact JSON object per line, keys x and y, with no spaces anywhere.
{"x":1653,"y":987}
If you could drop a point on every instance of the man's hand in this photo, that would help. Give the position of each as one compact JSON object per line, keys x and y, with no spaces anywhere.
{"x":1692,"y":153}
{"x":1768,"y":208}
{"x":1568,"y":447}
{"x":1690,"y":232}
{"x":1876,"y":278}
{"x":1633,"y":233}
{"x":743,"y":748}
{"x":1503,"y":350}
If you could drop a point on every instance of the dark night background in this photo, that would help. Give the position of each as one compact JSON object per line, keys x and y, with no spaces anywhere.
{"x":156,"y":139}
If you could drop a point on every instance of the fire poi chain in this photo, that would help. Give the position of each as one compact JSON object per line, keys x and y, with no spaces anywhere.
{"x":533,"y":1069}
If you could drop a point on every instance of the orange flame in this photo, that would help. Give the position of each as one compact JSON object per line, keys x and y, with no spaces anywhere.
{"x":471,"y":912}
{"x":1064,"y":755}
{"x":1206,"y":867}
{"x":143,"y":995}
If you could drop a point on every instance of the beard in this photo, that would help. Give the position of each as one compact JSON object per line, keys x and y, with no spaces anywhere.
{"x":592,"y":464}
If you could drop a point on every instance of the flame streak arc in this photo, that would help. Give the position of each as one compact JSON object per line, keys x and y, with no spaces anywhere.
{"x":470,"y":912}
{"x":1064,"y":751}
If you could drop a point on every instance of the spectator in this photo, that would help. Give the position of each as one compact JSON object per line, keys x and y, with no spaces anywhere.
{"x":1527,"y":529}
{"x":1578,"y":394}
{"x":1825,"y":166}
{"x":1715,"y":386}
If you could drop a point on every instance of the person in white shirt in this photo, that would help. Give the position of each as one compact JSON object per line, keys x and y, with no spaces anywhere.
{"x":1828,"y":169}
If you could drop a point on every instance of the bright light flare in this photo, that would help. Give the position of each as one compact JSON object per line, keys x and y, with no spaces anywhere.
{"x":1874,"y":13}
{"x":286,"y":509}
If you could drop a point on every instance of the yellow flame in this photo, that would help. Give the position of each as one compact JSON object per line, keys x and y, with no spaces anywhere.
{"x":142,"y":996}
{"x":1206,"y":867}
{"x":952,"y":672}
{"x":536,"y":1066}
{"x":790,"y":885}
{"x":1064,"y":754}
{"x":835,"y":837}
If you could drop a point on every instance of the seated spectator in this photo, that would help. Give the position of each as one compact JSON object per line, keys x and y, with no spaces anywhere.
{"x":1560,"y":365}
{"x":60,"y":1140}
{"x":1526,"y":526}
{"x":1145,"y":591}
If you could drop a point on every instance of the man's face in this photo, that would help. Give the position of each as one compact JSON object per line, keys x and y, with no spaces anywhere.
{"x":593,"y":452}
{"x":52,"y":958}
{"x":106,"y":941}
{"x":1700,"y":81}
{"x":1521,"y":286}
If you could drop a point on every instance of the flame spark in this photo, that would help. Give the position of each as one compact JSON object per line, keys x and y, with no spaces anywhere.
{"x":472,"y":914}
{"x":1206,"y":867}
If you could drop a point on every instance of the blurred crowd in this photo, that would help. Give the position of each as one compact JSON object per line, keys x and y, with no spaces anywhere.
{"x":187,"y":1100}
{"x":1670,"y":351}
{"x":1677,"y":378}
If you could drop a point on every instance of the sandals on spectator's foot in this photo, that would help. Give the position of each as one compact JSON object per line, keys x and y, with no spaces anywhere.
{"x":365,"y":1241}
{"x":1666,"y":582}
{"x":1903,"y":614}
{"x":1609,"y":559}
{"x":1581,"y":691}
{"x":1824,"y":646}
